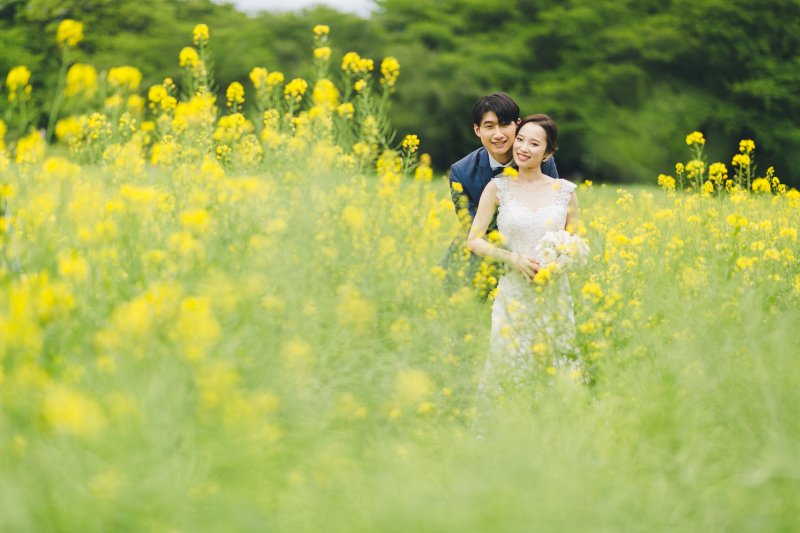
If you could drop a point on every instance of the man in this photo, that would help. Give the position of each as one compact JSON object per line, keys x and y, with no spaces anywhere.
{"x":495,"y":119}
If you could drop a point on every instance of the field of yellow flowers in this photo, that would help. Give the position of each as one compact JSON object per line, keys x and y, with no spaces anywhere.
{"x":226,"y":324}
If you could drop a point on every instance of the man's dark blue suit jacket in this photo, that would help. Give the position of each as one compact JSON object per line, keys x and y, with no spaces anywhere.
{"x":473,"y":173}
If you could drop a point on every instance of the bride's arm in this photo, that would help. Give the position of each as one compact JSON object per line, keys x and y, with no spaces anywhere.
{"x":480,"y":246}
{"x":573,"y":225}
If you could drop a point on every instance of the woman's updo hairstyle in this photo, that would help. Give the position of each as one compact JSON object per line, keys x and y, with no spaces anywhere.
{"x":549,"y":127}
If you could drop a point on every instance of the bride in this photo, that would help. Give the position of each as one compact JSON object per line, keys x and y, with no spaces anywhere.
{"x":533,"y":326}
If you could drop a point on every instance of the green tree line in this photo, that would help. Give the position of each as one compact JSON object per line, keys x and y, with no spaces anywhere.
{"x":626,"y":80}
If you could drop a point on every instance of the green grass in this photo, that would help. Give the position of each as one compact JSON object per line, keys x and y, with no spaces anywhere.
{"x":690,"y":423}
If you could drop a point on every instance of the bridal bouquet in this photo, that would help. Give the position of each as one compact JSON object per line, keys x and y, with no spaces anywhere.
{"x":559,"y":252}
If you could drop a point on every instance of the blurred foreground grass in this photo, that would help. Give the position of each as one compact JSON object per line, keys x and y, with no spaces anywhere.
{"x":216,"y":352}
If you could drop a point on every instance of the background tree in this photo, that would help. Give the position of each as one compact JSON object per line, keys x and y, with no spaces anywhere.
{"x":626,"y":80}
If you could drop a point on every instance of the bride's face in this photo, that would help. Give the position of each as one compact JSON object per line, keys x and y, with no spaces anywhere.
{"x":530,"y":146}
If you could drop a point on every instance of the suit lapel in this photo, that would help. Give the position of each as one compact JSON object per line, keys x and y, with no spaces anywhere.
{"x":484,"y":169}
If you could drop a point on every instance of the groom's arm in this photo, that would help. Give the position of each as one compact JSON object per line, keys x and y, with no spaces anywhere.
{"x":549,"y":167}
{"x":465,"y":211}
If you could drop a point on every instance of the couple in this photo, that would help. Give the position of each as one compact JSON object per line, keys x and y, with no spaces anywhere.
{"x":533,"y":327}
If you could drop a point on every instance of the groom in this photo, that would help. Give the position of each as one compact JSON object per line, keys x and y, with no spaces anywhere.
{"x":495,"y":118}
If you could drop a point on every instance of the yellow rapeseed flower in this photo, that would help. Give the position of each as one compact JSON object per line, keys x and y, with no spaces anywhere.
{"x":360,"y":84}
{"x":390,"y":68}
{"x":761,"y":185}
{"x":156,"y":94}
{"x":259,"y":77}
{"x":71,"y":411}
{"x":746,"y":146}
{"x":323,"y":53}
{"x":81,"y":78}
{"x":275,"y":78}
{"x":321,"y":29}
{"x":200,"y":33}
{"x":695,"y":137}
{"x":351,"y":63}
{"x":411,"y":142}
{"x":189,"y":57}
{"x":17,"y":79}
{"x":69,"y":33}
{"x":346,"y":110}
{"x":235,"y":93}
{"x":741,"y":160}
{"x":126,"y":78}
{"x":295,"y":89}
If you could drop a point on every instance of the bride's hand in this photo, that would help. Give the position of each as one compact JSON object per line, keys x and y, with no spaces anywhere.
{"x":525,"y":266}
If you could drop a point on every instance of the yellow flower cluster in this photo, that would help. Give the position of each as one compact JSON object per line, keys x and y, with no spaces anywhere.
{"x":17,"y":82}
{"x":325,"y":94}
{"x":695,"y":138}
{"x":323,"y":53}
{"x":124,"y":78}
{"x":235,"y":94}
{"x":200,"y":34}
{"x":295,"y":89}
{"x":69,"y":33}
{"x":81,"y":79}
{"x":188,"y":57}
{"x":390,"y":68}
{"x":259,"y":77}
{"x":747,"y":146}
{"x":352,"y":63}
{"x":411,"y":143}
{"x":346,"y":110}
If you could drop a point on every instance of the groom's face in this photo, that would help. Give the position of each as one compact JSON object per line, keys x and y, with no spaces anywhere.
{"x":497,"y":138}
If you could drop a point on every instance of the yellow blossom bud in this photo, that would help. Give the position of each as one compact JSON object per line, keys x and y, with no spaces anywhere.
{"x":188,"y":56}
{"x":69,"y":33}
{"x":321,"y":29}
{"x":81,"y":79}
{"x":411,"y":142}
{"x":199,"y":33}
{"x":259,"y":77}
{"x":127,"y":78}
{"x":695,"y":137}
{"x":323,"y":53}
{"x":235,"y":93}
{"x":295,"y":89}
{"x":346,"y":110}
{"x":274,"y":78}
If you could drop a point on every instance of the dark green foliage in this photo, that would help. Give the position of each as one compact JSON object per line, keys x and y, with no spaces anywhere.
{"x":626,"y":80}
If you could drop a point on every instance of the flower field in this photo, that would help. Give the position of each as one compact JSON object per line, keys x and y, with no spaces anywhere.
{"x":237,"y":324}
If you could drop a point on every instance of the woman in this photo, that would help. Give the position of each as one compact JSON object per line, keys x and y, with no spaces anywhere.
{"x":533,"y":326}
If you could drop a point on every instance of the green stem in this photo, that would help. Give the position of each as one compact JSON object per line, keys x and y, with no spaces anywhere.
{"x":10,"y":111}
{"x":205,"y":66}
{"x":62,"y":76}
{"x":23,"y":124}
{"x":233,"y":150}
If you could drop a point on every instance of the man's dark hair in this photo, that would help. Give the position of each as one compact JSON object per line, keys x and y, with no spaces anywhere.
{"x":504,"y":107}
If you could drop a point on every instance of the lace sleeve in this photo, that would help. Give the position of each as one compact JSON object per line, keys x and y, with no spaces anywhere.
{"x":502,"y":189}
{"x":565,"y":191}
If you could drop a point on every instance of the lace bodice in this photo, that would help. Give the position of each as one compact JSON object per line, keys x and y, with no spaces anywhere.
{"x":524,"y":226}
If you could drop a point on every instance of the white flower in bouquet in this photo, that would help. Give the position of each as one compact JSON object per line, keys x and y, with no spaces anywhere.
{"x":560,"y":251}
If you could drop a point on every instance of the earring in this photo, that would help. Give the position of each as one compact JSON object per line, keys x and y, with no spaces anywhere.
{"x":545,"y":159}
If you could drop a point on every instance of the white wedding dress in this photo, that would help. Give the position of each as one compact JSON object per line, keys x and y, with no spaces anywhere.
{"x":533,"y":327}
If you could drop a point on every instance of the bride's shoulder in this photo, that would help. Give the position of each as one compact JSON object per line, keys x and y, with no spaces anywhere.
{"x":496,"y":188}
{"x":566,"y":186}
{"x":499,"y":181}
